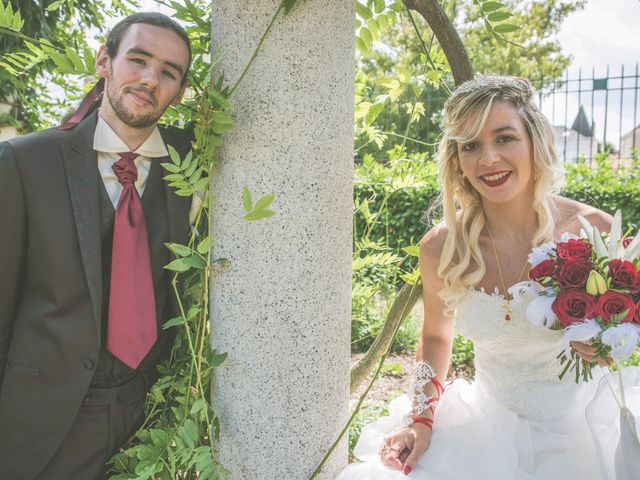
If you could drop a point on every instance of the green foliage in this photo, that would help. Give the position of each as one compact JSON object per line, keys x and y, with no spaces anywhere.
{"x":494,"y":14}
{"x":606,"y":187}
{"x":407,"y":215}
{"x":462,"y":356}
{"x":518,"y":38}
{"x":42,"y":43}
{"x":260,"y":208}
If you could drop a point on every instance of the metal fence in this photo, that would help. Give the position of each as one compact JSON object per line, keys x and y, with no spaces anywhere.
{"x":592,"y":113}
{"x":589,"y":113}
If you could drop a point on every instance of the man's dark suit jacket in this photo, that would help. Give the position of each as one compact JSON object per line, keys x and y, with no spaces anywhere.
{"x":50,"y":286}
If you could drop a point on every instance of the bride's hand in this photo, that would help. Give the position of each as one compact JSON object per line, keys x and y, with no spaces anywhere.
{"x":587,"y":352}
{"x":403,"y":449}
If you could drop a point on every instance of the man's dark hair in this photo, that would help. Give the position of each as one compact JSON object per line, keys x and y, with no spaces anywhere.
{"x":150,"y":18}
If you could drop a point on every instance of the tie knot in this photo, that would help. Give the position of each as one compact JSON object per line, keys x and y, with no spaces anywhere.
{"x":125,"y":169}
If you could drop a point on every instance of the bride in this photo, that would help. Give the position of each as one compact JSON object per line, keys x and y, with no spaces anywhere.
{"x":500,"y":180}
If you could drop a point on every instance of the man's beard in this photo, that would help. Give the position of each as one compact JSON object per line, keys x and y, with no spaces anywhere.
{"x":127,"y":117}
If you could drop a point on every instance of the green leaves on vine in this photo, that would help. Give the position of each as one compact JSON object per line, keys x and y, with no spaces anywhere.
{"x":260,"y":208}
{"x":186,"y":175}
{"x":66,"y":60}
{"x":186,"y":259}
{"x":9,"y":19}
{"x":373,"y":18}
{"x":493,"y":13}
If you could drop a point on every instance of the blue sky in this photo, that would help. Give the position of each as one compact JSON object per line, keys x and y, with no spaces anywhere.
{"x":606,"y":32}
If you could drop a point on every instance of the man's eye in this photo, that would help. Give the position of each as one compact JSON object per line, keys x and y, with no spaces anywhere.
{"x":169,"y":74}
{"x":139,"y":61}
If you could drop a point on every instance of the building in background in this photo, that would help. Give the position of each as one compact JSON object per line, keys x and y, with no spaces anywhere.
{"x":578,"y":141}
{"x":629,"y":141}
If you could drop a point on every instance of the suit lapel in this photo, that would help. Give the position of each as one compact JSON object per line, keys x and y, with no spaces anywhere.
{"x":81,"y":169}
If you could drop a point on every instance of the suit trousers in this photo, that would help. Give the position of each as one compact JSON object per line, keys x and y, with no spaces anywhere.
{"x":104,"y":423}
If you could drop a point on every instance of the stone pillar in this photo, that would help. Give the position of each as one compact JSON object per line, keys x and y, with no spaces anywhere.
{"x":282,"y":307}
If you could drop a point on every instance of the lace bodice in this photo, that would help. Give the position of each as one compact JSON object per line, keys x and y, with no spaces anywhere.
{"x":515,"y":361}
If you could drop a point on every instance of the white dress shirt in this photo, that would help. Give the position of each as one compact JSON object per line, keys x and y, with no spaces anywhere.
{"x":108,"y":144}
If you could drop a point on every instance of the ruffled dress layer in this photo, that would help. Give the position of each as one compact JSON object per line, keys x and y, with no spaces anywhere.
{"x":517,"y":420}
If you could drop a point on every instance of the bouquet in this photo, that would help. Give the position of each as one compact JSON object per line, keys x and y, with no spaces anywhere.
{"x":590,"y":287}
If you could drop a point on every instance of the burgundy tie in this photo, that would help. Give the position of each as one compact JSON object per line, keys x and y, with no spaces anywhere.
{"x":132,"y":328}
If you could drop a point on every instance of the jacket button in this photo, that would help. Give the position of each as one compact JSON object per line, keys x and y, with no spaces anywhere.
{"x":88,"y":364}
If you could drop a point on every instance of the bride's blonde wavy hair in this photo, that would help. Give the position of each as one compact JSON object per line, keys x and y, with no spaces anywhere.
{"x":466,"y":111}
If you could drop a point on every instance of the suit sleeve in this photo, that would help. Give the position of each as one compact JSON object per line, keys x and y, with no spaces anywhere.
{"x":13,"y":241}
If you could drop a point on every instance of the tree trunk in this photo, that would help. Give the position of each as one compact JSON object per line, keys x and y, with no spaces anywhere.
{"x":402,"y":305}
{"x":462,"y":71}
{"x":447,"y":36}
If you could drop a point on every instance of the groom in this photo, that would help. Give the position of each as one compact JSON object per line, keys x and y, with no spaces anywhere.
{"x":84,"y":214}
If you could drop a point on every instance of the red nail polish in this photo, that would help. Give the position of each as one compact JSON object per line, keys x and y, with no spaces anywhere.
{"x":407,"y":470}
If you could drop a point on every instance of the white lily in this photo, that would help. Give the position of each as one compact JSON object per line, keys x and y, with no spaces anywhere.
{"x":541,"y":253}
{"x":580,"y":332}
{"x":615,"y":236}
{"x":598,"y":243}
{"x":587,"y":228}
{"x":539,"y":311}
{"x":623,"y":340}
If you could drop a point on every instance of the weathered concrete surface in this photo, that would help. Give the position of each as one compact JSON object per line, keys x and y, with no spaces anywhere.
{"x":281,"y":309}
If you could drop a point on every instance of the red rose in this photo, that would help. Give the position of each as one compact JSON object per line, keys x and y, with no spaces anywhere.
{"x":624,"y":274}
{"x":546,"y":268}
{"x":612,"y":303}
{"x":574,"y":273}
{"x":573,"y":306}
{"x":574,"y":249}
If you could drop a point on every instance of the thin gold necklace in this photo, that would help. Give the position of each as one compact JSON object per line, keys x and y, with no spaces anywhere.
{"x":507,"y":305}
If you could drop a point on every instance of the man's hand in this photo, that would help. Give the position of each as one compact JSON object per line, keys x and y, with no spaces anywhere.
{"x":403,"y":449}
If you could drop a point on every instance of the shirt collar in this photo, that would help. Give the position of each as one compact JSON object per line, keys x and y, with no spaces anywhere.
{"x":106,"y":140}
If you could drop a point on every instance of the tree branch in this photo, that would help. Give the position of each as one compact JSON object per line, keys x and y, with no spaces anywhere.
{"x":402,"y":305}
{"x":447,"y":36}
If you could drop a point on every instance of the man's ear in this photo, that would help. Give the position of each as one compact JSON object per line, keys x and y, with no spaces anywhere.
{"x":178,"y":98}
{"x":103,"y":62}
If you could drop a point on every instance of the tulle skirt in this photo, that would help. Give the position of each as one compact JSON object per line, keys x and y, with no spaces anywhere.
{"x":477,"y":437}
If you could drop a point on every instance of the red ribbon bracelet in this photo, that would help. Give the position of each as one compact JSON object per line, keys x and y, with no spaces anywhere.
{"x":425,"y":421}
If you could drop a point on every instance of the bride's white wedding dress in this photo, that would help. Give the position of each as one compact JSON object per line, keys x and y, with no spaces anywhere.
{"x":517,"y":420}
